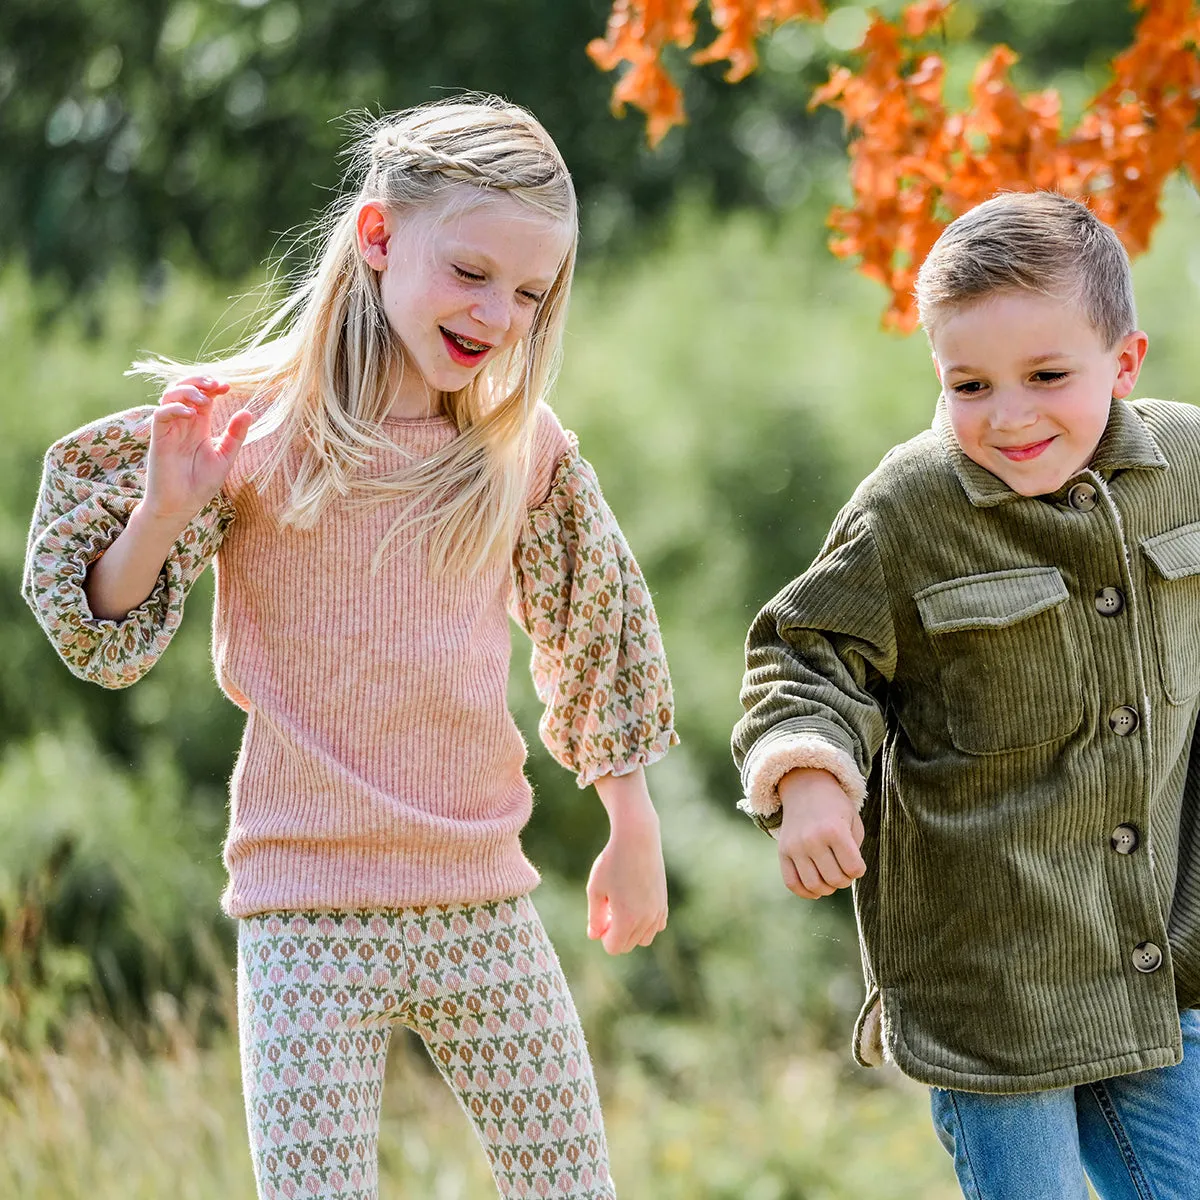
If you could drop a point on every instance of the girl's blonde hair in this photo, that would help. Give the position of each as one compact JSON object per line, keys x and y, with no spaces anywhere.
{"x":326,"y":354}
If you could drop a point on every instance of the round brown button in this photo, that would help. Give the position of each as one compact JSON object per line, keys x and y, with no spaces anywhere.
{"x":1125,"y":839}
{"x":1124,"y":720}
{"x":1109,"y":601}
{"x":1082,"y":497}
{"x":1147,"y":957}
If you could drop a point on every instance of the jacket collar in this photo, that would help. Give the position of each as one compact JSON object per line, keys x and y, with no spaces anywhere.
{"x":1126,"y":444}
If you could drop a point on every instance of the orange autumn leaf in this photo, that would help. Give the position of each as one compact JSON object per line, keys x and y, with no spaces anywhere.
{"x":920,"y":18}
{"x":640,"y":31}
{"x":914,"y":165}
{"x":741,"y":22}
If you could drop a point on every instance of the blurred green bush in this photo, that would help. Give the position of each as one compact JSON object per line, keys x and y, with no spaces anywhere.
{"x":133,"y":135}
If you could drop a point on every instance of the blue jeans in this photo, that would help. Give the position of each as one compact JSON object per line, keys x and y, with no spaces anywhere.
{"x":1137,"y":1136}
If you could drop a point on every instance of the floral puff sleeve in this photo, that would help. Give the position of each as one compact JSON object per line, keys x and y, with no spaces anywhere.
{"x":598,"y":661}
{"x":91,"y":481}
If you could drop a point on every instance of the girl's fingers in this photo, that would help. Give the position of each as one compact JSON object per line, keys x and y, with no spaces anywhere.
{"x":629,"y":932}
{"x":638,"y":935}
{"x":235,"y":433}
{"x":625,"y":933}
{"x":205,"y":383}
{"x":167,"y":414}
{"x":185,"y":394}
{"x":613,"y":943}
{"x":619,"y":936}
{"x":630,"y":940}
{"x":651,"y":929}
{"x":654,"y":929}
{"x":599,"y":915}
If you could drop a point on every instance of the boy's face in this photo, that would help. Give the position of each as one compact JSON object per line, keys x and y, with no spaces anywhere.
{"x":1027,"y":382}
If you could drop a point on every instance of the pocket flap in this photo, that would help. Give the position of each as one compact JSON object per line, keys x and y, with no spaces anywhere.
{"x":1175,"y":553}
{"x":990,"y":601}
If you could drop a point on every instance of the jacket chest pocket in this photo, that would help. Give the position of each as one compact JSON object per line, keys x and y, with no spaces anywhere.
{"x":1173,"y":586}
{"x":1007,"y":661}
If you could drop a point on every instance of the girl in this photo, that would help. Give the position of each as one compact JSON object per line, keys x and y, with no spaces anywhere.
{"x":402,"y":485}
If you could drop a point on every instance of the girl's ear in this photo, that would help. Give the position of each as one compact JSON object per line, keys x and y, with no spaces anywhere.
{"x":371,"y":230}
{"x":1129,"y":363}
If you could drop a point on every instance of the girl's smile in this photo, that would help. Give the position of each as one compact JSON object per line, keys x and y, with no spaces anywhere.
{"x":463,"y":349}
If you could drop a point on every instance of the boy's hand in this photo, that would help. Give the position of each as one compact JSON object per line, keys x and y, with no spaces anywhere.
{"x":820,"y":835}
{"x":186,"y":466}
{"x":627,"y":889}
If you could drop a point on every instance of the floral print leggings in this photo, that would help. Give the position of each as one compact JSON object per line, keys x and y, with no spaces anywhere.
{"x":318,"y":995}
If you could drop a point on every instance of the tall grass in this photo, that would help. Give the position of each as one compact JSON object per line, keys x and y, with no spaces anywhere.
{"x":97,"y":1120}
{"x":738,"y":1101}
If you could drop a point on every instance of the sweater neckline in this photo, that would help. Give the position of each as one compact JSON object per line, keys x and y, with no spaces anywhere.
{"x":411,"y":422}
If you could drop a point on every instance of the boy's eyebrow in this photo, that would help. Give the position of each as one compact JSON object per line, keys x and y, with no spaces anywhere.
{"x":1036,"y":360}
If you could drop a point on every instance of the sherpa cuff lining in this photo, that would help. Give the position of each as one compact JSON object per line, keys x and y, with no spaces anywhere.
{"x":793,"y":751}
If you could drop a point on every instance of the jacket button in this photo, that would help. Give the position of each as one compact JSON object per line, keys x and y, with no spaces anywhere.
{"x":1147,"y":957}
{"x":1124,"y":720}
{"x":1109,"y":601}
{"x":1125,"y":839}
{"x":1082,"y":497}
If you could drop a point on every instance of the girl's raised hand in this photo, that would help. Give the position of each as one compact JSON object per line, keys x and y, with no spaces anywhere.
{"x":187,"y":464}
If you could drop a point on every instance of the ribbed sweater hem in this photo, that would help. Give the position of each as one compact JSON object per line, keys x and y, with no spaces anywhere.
{"x":290,"y":878}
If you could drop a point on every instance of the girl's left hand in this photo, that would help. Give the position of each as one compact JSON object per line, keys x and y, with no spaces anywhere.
{"x":627,"y":888}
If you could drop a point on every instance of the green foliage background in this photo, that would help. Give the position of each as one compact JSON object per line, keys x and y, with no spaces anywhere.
{"x":166,"y":131}
{"x":729,"y":380}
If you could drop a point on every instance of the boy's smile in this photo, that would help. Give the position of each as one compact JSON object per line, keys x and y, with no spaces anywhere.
{"x":1028,"y":382}
{"x":1024,"y":453}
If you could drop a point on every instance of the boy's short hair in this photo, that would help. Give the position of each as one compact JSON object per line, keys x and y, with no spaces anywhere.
{"x":1038,"y":242}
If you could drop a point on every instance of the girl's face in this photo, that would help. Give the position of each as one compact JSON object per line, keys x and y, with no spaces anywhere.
{"x":459,"y":289}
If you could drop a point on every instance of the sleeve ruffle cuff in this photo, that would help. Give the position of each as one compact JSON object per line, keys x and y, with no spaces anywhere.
{"x":789,"y":753}
{"x":598,"y":662}
{"x":649,"y":751}
{"x":92,"y":481}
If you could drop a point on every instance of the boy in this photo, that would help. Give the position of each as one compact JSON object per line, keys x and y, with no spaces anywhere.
{"x":979,"y":702}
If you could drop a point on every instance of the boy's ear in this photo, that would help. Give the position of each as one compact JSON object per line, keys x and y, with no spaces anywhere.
{"x":1130,"y":356}
{"x":371,"y":232}
{"x":937,"y":366}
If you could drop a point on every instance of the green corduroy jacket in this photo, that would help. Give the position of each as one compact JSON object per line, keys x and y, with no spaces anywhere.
{"x":1018,"y":680}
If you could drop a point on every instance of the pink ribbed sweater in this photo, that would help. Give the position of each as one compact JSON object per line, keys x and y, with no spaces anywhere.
{"x":380,"y":764}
